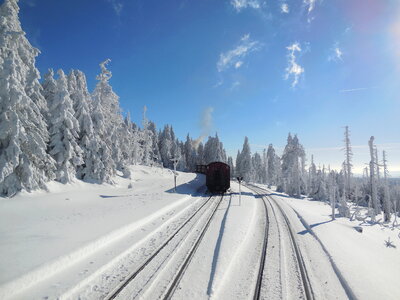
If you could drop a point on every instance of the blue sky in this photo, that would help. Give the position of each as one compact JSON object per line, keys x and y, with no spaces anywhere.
{"x":258,"y":68}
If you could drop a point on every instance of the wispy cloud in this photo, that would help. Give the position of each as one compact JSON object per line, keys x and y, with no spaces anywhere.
{"x":234,"y":85}
{"x":284,"y":8}
{"x":310,"y":4}
{"x":336,"y":53}
{"x":117,"y":6}
{"x":235,"y":56}
{"x":293,"y":69}
{"x":357,"y":89}
{"x":241,"y":4}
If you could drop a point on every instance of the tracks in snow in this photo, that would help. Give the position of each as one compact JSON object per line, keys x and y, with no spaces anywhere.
{"x":159,"y":275}
{"x":282,"y":272}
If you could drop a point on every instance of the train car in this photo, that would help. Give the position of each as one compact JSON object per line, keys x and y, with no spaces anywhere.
{"x":218,"y":175}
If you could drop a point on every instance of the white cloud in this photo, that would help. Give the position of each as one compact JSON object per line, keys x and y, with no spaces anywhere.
{"x":293,"y":69}
{"x":238,"y":64}
{"x":310,"y":4}
{"x":117,"y":6}
{"x":234,"y":57}
{"x":285,"y":8}
{"x":240,"y":4}
{"x":336,"y":53}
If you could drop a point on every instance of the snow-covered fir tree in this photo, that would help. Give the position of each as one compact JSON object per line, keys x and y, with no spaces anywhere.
{"x":214,"y":150}
{"x":154,"y":144}
{"x":24,"y":163}
{"x":293,"y":168}
{"x":101,"y":124}
{"x":104,"y":95}
{"x":244,"y":164}
{"x":63,"y":129}
{"x":165,"y":145}
{"x":231,"y":166}
{"x":272,"y":165}
{"x":88,"y":139}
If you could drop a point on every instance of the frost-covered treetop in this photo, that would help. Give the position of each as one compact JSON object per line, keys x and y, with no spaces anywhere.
{"x":105,"y":74}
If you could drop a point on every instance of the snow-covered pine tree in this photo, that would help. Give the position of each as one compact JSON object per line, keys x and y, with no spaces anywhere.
{"x":200,"y":154}
{"x":257,"y":167}
{"x":155,"y":150}
{"x":88,"y":140}
{"x":238,"y":171}
{"x":264,"y":167}
{"x":127,"y":142}
{"x":190,"y":154}
{"x":292,"y":168}
{"x":24,"y":163}
{"x":63,"y":129}
{"x":146,"y":140}
{"x":312,"y":178}
{"x":231,"y":166}
{"x":165,"y":145}
{"x":101,"y":125}
{"x":332,"y":188}
{"x":109,"y":101}
{"x":213,"y":150}
{"x":245,"y":161}
{"x":271,"y":166}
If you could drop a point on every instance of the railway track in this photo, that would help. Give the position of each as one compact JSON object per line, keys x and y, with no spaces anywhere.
{"x":305,"y":281}
{"x":178,"y":237}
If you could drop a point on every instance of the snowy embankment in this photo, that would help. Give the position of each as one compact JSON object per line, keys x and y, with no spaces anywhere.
{"x":45,"y":233}
{"x":367,"y":264}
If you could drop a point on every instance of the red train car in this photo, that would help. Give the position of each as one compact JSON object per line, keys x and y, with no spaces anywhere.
{"x":218,"y":176}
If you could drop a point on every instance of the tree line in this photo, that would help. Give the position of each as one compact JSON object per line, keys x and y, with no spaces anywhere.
{"x":58,"y":130}
{"x":291,"y":175}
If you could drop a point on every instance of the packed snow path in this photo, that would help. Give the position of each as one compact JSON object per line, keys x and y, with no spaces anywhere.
{"x":282,"y":273}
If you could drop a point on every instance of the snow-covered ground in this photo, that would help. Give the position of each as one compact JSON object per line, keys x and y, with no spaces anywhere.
{"x":45,"y":233}
{"x":82,"y":240}
{"x":369,"y":267}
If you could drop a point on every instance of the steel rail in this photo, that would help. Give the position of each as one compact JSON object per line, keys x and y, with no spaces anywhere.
{"x":115,"y":292}
{"x":303,"y":270}
{"x":175,"y":282}
{"x":257,"y":292}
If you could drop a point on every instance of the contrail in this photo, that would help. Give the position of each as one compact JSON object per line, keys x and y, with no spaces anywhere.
{"x":357,"y":89}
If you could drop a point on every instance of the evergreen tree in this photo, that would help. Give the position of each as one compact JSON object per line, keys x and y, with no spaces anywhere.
{"x":63,"y":129}
{"x":200,"y":154}
{"x":232,"y":167}
{"x":109,"y":101}
{"x":24,"y":163}
{"x":156,"y":160}
{"x":245,"y":161}
{"x":166,"y":147}
{"x":272,"y":167}
{"x":101,"y":124}
{"x":88,"y":140}
{"x":213,"y":150}
{"x":292,"y":168}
